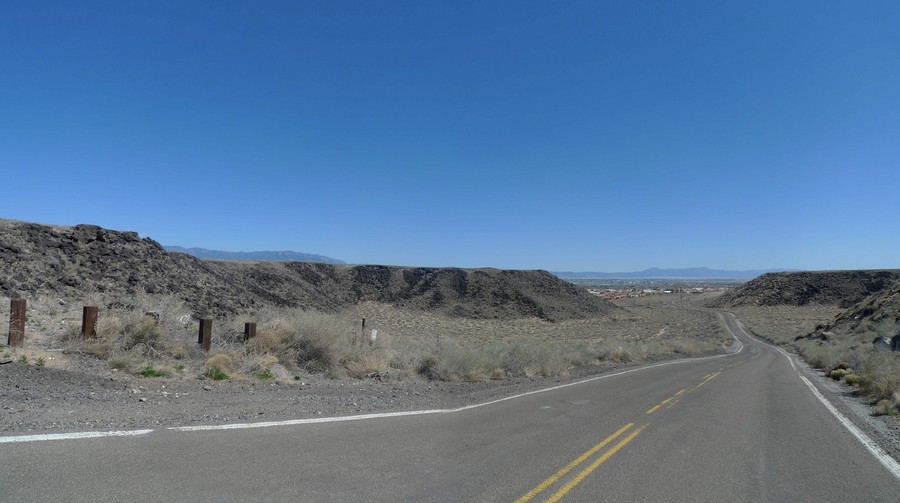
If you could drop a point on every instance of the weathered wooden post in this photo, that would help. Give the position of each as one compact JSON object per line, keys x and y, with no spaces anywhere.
{"x":16,"y":323}
{"x":249,"y":331}
{"x":205,"y":336}
{"x":89,"y":321}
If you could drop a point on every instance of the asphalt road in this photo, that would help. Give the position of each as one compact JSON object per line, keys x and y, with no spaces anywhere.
{"x":741,"y":427}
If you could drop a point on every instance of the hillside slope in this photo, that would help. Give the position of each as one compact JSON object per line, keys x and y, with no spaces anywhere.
{"x":876,"y":315}
{"x":74,"y":261}
{"x":833,"y":288}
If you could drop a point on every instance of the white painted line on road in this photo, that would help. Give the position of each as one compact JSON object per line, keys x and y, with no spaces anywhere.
{"x":313,"y":420}
{"x":879,"y":453}
{"x":71,"y":436}
{"x":733,"y":336}
{"x":883,"y":457}
{"x":596,"y":378}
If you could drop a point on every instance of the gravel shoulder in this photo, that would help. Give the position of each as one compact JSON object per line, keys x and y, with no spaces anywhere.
{"x":36,"y":399}
{"x":884,"y":430}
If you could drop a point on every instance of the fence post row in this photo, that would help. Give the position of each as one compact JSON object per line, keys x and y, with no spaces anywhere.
{"x":89,"y":321}
{"x":16,"y":323}
{"x":204,"y":338}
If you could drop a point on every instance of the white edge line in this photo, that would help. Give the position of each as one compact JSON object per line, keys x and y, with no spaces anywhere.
{"x":313,"y":420}
{"x":883,"y":457}
{"x":879,"y":453}
{"x":70,"y":436}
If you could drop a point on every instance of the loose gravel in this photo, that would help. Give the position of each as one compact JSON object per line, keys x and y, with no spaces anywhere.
{"x":36,"y":399}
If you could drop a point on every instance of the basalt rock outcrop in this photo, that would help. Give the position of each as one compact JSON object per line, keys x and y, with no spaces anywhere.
{"x":71,"y":262}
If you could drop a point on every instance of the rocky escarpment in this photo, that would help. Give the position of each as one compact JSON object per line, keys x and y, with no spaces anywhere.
{"x":833,"y":288}
{"x":74,"y":261}
{"x":876,"y":315}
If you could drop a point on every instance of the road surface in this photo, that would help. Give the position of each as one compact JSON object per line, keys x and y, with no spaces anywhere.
{"x":739,"y":427}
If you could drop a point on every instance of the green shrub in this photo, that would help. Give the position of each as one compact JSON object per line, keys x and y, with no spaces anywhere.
{"x":23,"y":359}
{"x":852,"y":379}
{"x":40,"y":362}
{"x":149,"y":371}
{"x":220,"y":361}
{"x":887,"y":408}
{"x":264,"y":374}
{"x":315,"y":366}
{"x":837,"y":374}
{"x":216,"y":374}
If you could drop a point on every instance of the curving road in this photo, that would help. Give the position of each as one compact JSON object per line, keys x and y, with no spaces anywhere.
{"x":739,"y":427}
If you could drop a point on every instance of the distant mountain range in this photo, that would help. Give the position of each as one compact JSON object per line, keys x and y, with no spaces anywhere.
{"x":278,"y":256}
{"x":657,"y":273}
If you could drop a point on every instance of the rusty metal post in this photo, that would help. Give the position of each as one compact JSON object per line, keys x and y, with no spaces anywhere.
{"x":16,"y":323}
{"x":89,"y":321}
{"x":249,"y":331}
{"x":205,"y":336}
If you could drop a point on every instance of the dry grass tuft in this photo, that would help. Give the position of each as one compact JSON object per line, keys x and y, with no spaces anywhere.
{"x":129,"y":361}
{"x":109,"y":327}
{"x":221,"y":361}
{"x":161,"y":331}
{"x":880,"y":375}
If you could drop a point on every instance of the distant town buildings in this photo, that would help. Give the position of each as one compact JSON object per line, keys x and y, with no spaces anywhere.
{"x":633,"y":292}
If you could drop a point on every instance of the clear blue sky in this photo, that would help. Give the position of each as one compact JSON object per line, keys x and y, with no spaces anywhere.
{"x":605,"y":135}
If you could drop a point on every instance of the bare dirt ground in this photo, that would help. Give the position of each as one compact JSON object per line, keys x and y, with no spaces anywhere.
{"x":644,"y":320}
{"x":784,"y":323}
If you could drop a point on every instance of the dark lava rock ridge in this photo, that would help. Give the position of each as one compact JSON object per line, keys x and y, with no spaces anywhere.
{"x":69,"y":262}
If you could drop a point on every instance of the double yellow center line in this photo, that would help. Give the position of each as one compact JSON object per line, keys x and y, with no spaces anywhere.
{"x":581,"y":459}
{"x":667,"y":400}
{"x":708,"y":377}
{"x":553,"y":479}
